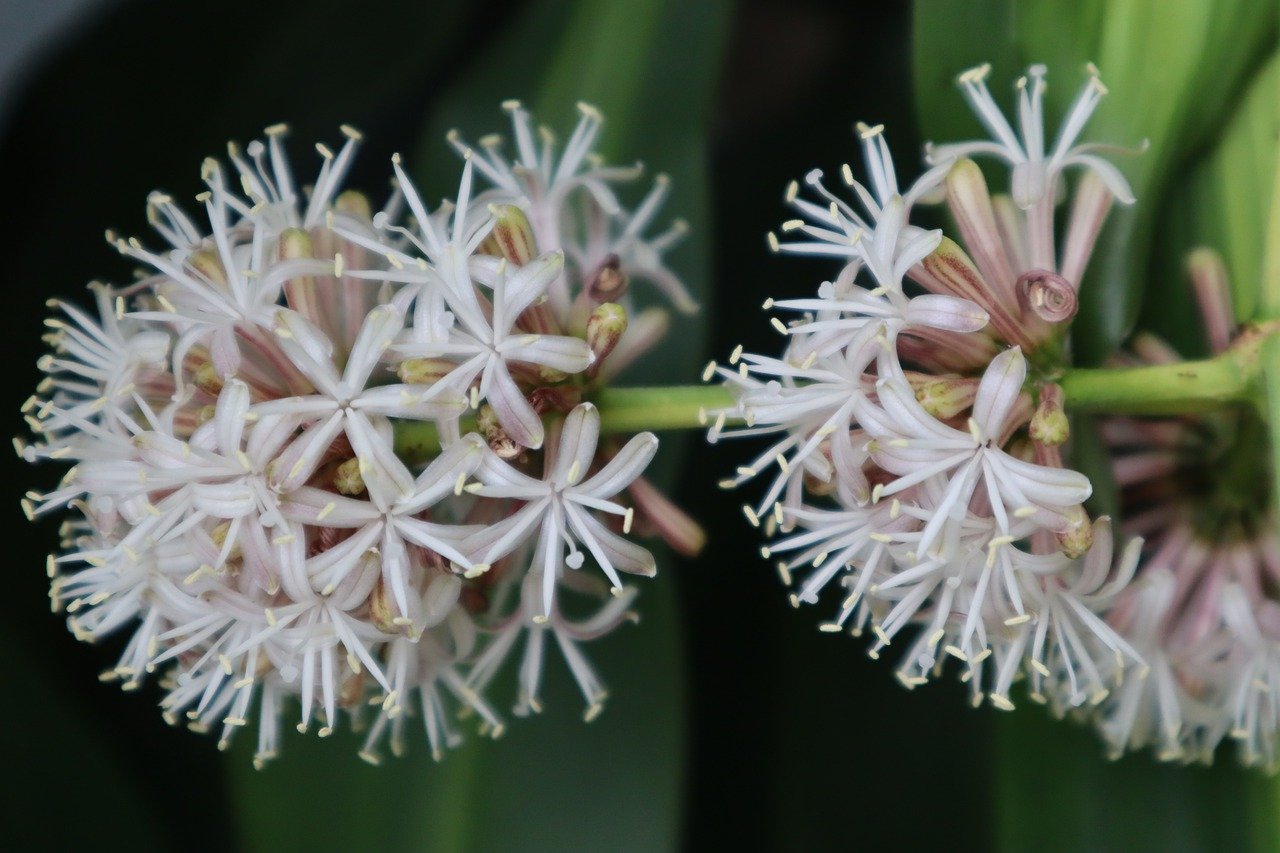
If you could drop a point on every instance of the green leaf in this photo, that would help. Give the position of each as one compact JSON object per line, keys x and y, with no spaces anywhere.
{"x":1058,"y":794}
{"x":552,"y":782}
{"x":1222,"y":204}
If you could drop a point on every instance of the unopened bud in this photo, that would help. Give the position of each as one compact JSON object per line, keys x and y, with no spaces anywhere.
{"x":1077,"y":537}
{"x":424,"y":371}
{"x":347,"y":479}
{"x":499,"y":442}
{"x":351,"y":691}
{"x":512,"y":236}
{"x":354,"y":203}
{"x":609,"y":282}
{"x":1049,"y":424}
{"x":206,"y":378}
{"x":383,"y":611}
{"x":605,"y":328}
{"x":299,"y":290}
{"x":558,"y":398}
{"x":551,"y":375}
{"x":944,"y":397}
{"x":1047,"y":295}
{"x":208,"y":265}
{"x":294,"y":243}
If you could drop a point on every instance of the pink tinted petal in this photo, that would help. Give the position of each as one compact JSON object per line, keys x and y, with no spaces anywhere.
{"x":379,"y":329}
{"x":514,"y":413}
{"x":298,"y":462}
{"x":446,"y":540}
{"x":572,"y":355}
{"x":444,"y":474}
{"x":224,"y":351}
{"x":500,"y":479}
{"x":622,"y":470}
{"x":1001,"y":384}
{"x":308,"y":349}
{"x":524,"y":285}
{"x":945,"y":312}
{"x":497,"y":540}
{"x":322,"y":508}
{"x":418,"y":402}
{"x":578,"y":438}
{"x":1053,"y":487}
{"x":233,"y":403}
{"x":385,"y":476}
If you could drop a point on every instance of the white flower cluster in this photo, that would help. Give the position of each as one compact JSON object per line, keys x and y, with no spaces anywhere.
{"x":243,"y":505}
{"x":1205,"y":613}
{"x":914,"y":428}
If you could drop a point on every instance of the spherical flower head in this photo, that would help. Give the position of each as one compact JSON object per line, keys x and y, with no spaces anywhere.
{"x":275,"y":434}
{"x":915,"y":436}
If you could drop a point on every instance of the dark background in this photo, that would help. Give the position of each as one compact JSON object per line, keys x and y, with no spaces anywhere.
{"x":797,"y":740}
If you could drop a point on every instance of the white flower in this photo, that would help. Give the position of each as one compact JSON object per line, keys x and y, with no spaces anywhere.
{"x":241,"y":510}
{"x":102,"y":372}
{"x":542,"y":184}
{"x":346,"y":403}
{"x":486,"y":346}
{"x":390,"y":522}
{"x":916,"y":446}
{"x":1035,"y":171}
{"x":561,"y":507}
{"x":881,"y":238}
{"x":567,"y":634}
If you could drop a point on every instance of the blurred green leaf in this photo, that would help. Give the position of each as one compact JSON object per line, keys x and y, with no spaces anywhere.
{"x":1058,"y":794}
{"x":552,"y":782}
{"x":1223,"y":204}
{"x":1175,"y":71}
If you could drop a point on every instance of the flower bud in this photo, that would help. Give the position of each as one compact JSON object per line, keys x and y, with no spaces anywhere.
{"x":347,"y":479}
{"x":208,"y":265}
{"x":560,"y":398}
{"x":424,"y":371}
{"x":512,"y":236}
{"x":384,"y":613}
{"x":609,"y":282}
{"x":944,"y":397}
{"x":299,"y":291}
{"x":206,"y":378}
{"x":499,"y":442}
{"x":1047,"y":295}
{"x":605,"y":328}
{"x":1077,"y":537}
{"x":354,"y":203}
{"x":1049,"y":424}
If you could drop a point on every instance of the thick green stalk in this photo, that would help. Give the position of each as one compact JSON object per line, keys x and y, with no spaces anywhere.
{"x":1166,"y":389}
{"x":1232,"y":378}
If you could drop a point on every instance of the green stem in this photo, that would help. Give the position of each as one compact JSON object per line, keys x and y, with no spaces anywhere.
{"x":625,"y":410}
{"x":1231,"y":378}
{"x":1164,"y":389}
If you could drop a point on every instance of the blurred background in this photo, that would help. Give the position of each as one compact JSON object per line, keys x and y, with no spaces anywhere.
{"x":732,"y":720}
